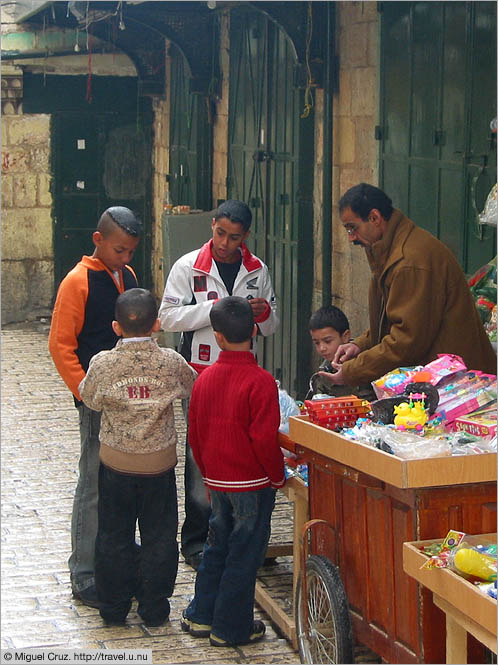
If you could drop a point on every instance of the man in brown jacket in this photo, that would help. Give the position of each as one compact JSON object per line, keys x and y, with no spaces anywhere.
{"x":419,"y":301}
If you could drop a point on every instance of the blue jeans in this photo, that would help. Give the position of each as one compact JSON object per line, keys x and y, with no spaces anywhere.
{"x":84,"y":518}
{"x":239,"y":531}
{"x":197,"y":508}
{"x":125,"y":500}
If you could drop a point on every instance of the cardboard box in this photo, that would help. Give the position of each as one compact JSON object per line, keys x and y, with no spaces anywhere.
{"x":429,"y":472}
{"x":478,"y":424}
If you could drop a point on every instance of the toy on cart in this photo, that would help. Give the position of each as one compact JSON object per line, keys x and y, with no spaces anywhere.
{"x":412,"y":414}
{"x":336,"y":413}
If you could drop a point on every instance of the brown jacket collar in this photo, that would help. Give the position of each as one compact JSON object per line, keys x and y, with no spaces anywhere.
{"x":389,"y":249}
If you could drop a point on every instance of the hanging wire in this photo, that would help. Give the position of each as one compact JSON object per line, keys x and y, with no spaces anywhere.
{"x":308,"y":95}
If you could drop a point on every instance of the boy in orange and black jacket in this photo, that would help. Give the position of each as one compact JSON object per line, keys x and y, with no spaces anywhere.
{"x":81,"y":327}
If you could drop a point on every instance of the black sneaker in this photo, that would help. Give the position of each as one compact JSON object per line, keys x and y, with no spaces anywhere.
{"x":87,"y":596}
{"x":110,"y":622}
{"x":194,"y":629}
{"x":258,"y":631}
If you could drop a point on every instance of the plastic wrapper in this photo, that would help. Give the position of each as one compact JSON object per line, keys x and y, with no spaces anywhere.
{"x":413,"y":446}
{"x":472,"y":558}
{"x":490,"y":326}
{"x":490,"y":211}
{"x":395,"y":382}
{"x":482,"y":285}
{"x":288,"y":408}
{"x":365,"y":431}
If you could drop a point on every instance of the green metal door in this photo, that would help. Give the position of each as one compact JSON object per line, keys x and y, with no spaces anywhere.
{"x":438,"y":97}
{"x":268,"y":143}
{"x":190,"y":140}
{"x":100,"y":160}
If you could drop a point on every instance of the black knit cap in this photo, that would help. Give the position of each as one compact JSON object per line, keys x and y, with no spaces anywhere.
{"x":235,"y":211}
{"x":126,"y":219}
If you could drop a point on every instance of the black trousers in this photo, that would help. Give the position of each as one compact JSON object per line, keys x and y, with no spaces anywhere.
{"x":125,"y":500}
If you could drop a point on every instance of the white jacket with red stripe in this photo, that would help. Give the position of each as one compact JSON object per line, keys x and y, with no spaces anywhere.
{"x":194,"y":283}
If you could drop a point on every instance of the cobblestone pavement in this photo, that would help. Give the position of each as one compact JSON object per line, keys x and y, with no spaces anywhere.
{"x":40,"y":447}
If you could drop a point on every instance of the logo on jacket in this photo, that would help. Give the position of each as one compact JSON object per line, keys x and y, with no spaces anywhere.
{"x":200,"y":283}
{"x":204,"y":352}
{"x":138,"y":392}
{"x":172,"y":300}
{"x":252,"y":283}
{"x":212,"y":295}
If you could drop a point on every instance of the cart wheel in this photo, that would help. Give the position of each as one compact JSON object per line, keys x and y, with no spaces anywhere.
{"x":330,"y":634}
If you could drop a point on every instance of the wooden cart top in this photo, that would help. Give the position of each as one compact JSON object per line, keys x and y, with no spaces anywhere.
{"x":429,"y":472}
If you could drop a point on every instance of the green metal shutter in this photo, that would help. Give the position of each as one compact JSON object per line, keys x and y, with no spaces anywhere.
{"x":438,"y":96}
{"x":268,"y":143}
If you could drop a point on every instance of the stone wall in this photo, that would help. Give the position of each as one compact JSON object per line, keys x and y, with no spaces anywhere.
{"x":355,"y":150}
{"x":27,"y":241}
{"x":160,"y":161}
{"x":220,"y":128}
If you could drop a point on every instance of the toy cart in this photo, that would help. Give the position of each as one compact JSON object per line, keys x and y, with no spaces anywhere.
{"x":364,"y":504}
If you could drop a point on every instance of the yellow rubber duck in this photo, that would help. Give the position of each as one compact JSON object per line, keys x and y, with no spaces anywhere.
{"x":410,"y":415}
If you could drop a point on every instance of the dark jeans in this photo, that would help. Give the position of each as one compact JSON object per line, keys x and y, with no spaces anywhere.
{"x":124,"y":500}
{"x":197,"y":508}
{"x":84,"y":516}
{"x":239,"y":531}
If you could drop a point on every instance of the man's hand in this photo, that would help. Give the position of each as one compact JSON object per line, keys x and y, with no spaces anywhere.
{"x":345,"y":352}
{"x":335,"y":378}
{"x":259,"y":305}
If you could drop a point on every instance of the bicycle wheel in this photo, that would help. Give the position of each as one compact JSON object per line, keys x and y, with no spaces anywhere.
{"x":330,"y":633}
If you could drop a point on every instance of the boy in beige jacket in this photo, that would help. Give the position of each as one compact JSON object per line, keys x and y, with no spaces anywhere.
{"x":135,"y":385}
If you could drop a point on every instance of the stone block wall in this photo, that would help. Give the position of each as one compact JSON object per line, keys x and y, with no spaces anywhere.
{"x":27,"y":239}
{"x":160,"y":160}
{"x":355,"y":150}
{"x":220,"y":128}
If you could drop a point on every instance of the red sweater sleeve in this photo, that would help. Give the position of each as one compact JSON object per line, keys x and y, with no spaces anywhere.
{"x":67,"y":322}
{"x":263,"y":429}
{"x":193,"y":434}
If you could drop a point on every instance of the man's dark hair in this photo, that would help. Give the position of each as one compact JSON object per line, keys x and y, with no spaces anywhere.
{"x":235,"y":211}
{"x":329,"y":317}
{"x":136,"y":311}
{"x":123,"y":217}
{"x":363,"y":198}
{"x":233,"y":318}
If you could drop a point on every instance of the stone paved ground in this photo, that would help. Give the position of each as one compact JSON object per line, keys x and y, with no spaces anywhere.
{"x":40,"y":444}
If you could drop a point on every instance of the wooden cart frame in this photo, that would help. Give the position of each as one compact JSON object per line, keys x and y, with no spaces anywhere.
{"x":371,"y":503}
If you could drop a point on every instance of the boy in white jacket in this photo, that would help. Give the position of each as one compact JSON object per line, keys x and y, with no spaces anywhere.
{"x":223,"y":266}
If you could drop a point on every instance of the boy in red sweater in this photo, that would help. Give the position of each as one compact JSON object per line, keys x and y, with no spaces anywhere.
{"x":234,"y":418}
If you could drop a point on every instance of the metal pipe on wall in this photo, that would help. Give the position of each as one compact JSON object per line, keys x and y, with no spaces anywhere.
{"x":327,"y":156}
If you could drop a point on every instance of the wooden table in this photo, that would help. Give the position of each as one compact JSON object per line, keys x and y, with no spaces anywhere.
{"x":297,"y":492}
{"x":467,"y":609}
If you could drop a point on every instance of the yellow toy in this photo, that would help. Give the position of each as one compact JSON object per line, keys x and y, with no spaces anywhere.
{"x":410,"y":415}
{"x":472,"y":562}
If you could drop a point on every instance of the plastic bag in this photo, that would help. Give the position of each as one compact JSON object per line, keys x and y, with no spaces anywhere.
{"x":490,"y":212}
{"x":472,"y":558}
{"x":482,"y":285}
{"x":288,"y":408}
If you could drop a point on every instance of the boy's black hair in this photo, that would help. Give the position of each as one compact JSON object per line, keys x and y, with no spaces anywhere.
{"x":136,"y":311}
{"x":125,"y":218}
{"x":329,"y":317}
{"x":235,"y":211}
{"x":233,"y":318}
{"x":363,"y":198}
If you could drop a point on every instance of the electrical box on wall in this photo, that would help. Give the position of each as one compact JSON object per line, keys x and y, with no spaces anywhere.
{"x":182,"y":234}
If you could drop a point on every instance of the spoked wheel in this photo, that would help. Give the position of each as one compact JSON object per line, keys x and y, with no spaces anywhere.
{"x":329,"y":634}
